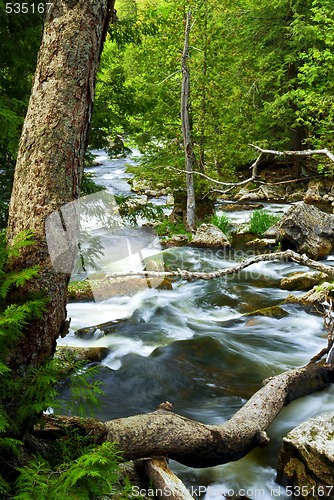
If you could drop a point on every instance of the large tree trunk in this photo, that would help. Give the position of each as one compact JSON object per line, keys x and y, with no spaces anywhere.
{"x":51,"y":153}
{"x":186,"y":130}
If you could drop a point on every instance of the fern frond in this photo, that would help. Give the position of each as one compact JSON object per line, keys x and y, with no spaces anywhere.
{"x":32,"y":482}
{"x":93,"y":474}
{"x":4,"y":486}
{"x":23,"y":239}
{"x":17,"y":279}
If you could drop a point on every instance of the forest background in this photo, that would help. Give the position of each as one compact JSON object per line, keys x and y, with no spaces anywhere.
{"x":261,"y":73}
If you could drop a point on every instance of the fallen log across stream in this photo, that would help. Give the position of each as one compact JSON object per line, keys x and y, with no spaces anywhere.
{"x":163,"y":433}
{"x":219,"y":273}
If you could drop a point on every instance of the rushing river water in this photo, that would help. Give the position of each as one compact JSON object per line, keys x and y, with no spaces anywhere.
{"x":194,"y":347}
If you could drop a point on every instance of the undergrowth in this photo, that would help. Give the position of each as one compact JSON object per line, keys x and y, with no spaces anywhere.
{"x":221,"y":221}
{"x":261,"y":220}
{"x":66,"y":467}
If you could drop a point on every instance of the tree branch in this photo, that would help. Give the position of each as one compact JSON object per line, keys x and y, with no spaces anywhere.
{"x":191,"y":275}
{"x":230,"y":184}
{"x":306,"y":152}
{"x":255,"y":164}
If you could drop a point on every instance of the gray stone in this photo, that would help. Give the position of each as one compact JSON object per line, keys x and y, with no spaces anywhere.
{"x":302,"y":281}
{"x":208,"y":235}
{"x":314,"y":191}
{"x":307,"y":457}
{"x":261,"y":243}
{"x":306,"y":229}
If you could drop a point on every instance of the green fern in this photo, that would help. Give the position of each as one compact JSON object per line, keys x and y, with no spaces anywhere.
{"x":90,"y":476}
{"x":13,"y":318}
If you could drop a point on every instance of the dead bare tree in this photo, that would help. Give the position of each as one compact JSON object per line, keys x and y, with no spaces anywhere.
{"x":186,"y":129}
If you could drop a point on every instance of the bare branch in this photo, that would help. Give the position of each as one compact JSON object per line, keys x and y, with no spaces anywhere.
{"x":191,"y":275}
{"x":306,"y":152}
{"x":255,"y":164}
{"x":230,"y":184}
{"x":165,"y":480}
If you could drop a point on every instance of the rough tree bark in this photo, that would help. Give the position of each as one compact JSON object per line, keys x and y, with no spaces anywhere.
{"x":186,"y":129}
{"x":167,"y":434}
{"x":51,"y":152}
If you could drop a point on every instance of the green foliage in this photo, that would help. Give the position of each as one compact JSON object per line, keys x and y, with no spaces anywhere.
{"x":260,"y":221}
{"x":89,"y":476}
{"x":260,"y":73}
{"x":88,"y":185}
{"x":221,"y":221}
{"x":20,"y":39}
{"x":131,"y":211}
{"x":18,"y":401}
{"x":167,"y":228}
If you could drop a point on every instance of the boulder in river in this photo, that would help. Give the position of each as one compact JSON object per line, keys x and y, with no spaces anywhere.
{"x":303,"y":281}
{"x":208,"y":235}
{"x":307,"y":458}
{"x":306,"y":229}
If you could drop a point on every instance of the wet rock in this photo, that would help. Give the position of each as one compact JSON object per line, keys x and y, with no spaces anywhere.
{"x":313,"y":301}
{"x":136,"y":201}
{"x":307,"y":458}
{"x":89,"y":354}
{"x":144,"y":187}
{"x":208,"y":235}
{"x":250,"y":194}
{"x":276,"y":312}
{"x":306,"y":229}
{"x":79,"y":291}
{"x":170,"y":200}
{"x":265,"y":192}
{"x":262,"y":243}
{"x":177,"y":240}
{"x":88,"y":333}
{"x":232,"y":207}
{"x":296,"y":194}
{"x":271,"y":233}
{"x":104,"y":288}
{"x":98,"y":331}
{"x":242,"y":237}
{"x":302,"y":281}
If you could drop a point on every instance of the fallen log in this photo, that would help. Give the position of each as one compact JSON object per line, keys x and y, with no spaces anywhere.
{"x":191,"y":275}
{"x":165,"y":433}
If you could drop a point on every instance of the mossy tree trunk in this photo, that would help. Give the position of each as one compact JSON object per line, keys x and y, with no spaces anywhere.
{"x":51,"y":153}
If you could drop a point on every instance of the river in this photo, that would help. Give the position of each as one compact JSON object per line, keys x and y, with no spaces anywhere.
{"x":194,"y":347}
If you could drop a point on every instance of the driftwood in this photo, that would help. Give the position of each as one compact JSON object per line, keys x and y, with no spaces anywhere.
{"x":192,"y":275}
{"x":163,"y":433}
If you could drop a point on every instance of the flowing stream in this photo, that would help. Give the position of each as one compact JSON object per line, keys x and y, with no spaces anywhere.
{"x":195,"y":347}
